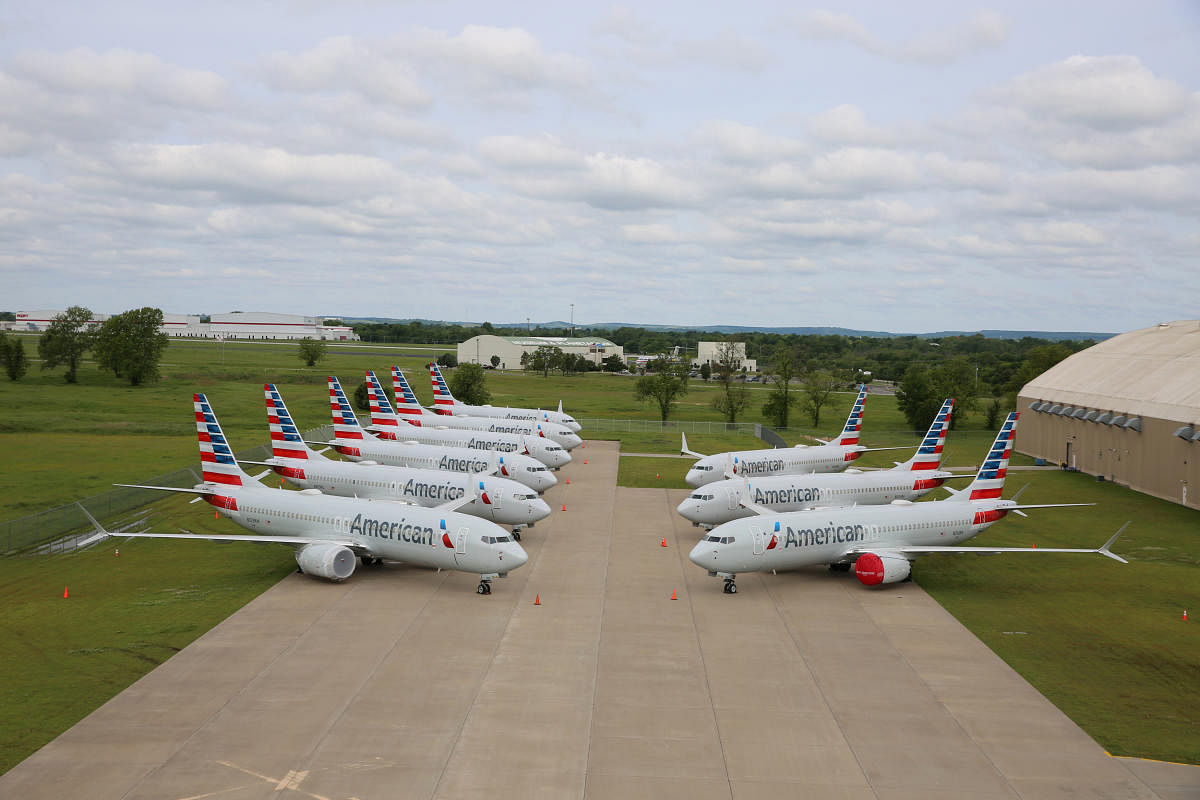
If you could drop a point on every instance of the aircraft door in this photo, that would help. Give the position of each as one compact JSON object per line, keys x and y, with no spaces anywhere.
{"x":460,"y":548}
{"x":733,"y":498}
{"x":758,"y":541}
{"x":496,"y":498}
{"x":394,"y":487}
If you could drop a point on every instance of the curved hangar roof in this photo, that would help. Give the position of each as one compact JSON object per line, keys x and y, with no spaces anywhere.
{"x":1152,"y":372}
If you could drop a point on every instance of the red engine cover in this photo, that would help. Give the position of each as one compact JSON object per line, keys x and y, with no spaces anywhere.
{"x":869,"y":569}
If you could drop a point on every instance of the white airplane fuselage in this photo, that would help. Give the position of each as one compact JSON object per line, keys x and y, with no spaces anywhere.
{"x":527,"y":414}
{"x":839,"y":535}
{"x":521,"y":468}
{"x":544,"y":450}
{"x":776,"y":461}
{"x":500,"y":500}
{"x":559,"y":434}
{"x":397,"y":531}
{"x":719,"y":502}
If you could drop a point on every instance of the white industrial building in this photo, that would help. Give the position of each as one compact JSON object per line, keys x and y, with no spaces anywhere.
{"x":509,"y":349}
{"x":710,"y":353}
{"x":234,"y":325}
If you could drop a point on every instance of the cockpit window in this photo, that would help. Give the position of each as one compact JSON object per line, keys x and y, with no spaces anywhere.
{"x":719,"y":539}
{"x":501,"y":538}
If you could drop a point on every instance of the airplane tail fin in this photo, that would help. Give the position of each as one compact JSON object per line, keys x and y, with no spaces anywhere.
{"x":683,"y":448}
{"x":443,"y":401}
{"x":383,"y":419}
{"x":286,"y":441}
{"x":407,"y":405}
{"x":345,"y":423}
{"x":929,"y":454}
{"x":217,"y":463}
{"x":989,"y":481}
{"x":854,"y":420}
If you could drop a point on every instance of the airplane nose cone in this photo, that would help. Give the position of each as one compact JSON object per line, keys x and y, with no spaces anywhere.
{"x":693,"y":478}
{"x":563,"y":457}
{"x":571,"y":441}
{"x":687,"y":509}
{"x":514,"y":556}
{"x":538,"y":509}
{"x":699,"y":552}
{"x":547,"y":481}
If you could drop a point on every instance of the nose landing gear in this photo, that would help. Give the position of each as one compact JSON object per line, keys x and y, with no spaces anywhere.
{"x":516,"y":533}
{"x":485,"y":586}
{"x":730,"y":586}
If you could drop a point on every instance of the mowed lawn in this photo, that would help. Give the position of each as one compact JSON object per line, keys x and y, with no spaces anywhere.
{"x":1104,"y":641}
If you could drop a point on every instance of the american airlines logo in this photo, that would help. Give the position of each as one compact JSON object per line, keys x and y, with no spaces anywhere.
{"x":396,"y":531}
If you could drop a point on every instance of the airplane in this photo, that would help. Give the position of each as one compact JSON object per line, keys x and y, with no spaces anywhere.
{"x":879,"y":541}
{"x":720,"y":501}
{"x":326,"y":531}
{"x":444,"y":403}
{"x":832,"y":456}
{"x":412,"y":412}
{"x":385,"y":424}
{"x":485,"y":495}
{"x":353,"y":443}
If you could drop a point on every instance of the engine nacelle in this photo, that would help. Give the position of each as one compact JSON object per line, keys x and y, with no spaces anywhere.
{"x":874,"y":569}
{"x":333,"y":562}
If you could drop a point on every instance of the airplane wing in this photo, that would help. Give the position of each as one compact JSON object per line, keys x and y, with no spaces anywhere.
{"x":908,"y":551}
{"x":101,"y":533}
{"x":203,"y":489}
{"x":683,"y":450}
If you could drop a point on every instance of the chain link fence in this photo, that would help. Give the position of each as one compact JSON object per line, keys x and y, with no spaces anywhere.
{"x":60,"y":529}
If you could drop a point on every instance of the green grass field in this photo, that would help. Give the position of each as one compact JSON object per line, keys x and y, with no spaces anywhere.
{"x":1103,"y":641}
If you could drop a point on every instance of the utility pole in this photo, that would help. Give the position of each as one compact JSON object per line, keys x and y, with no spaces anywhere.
{"x":572,"y":320}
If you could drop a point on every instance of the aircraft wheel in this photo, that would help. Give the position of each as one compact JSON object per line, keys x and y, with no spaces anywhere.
{"x":484,"y":588}
{"x":730,"y":587}
{"x":516,"y":536}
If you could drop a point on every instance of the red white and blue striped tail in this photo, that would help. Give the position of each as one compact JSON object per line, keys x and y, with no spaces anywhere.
{"x":989,"y":482}
{"x":929,"y":454}
{"x":407,"y":405}
{"x":286,"y":441}
{"x":345,"y":423}
{"x":443,"y":401}
{"x":383,"y":418}
{"x":217,"y":463}
{"x":854,"y":420}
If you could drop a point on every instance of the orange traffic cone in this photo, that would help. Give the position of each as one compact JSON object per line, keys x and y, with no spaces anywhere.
{"x":1034,"y":545}
{"x":117,"y":552}
{"x":564,"y":506}
{"x":1185,"y":615}
{"x":537,"y":599}
{"x":585,"y":461}
{"x":568,"y":481}
{"x":65,"y":592}
{"x":664,"y":541}
{"x":673,"y":595}
{"x":657,"y":477}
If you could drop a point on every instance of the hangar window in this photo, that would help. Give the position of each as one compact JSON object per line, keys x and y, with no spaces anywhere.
{"x":1036,"y":405}
{"x":1105,"y":418}
{"x":1056,"y":408}
{"x":1119,"y":421}
{"x":1080,"y":413}
{"x":1091,"y":416}
{"x":1184,"y":432}
{"x":1066,"y":411}
{"x":1134,"y":424}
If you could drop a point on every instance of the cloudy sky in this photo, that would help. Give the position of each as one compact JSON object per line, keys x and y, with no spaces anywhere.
{"x":903,"y":167}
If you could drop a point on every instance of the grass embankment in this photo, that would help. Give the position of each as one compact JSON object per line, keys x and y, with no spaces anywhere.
{"x":1104,"y":641}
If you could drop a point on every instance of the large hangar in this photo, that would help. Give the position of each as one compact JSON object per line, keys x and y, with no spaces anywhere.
{"x":480,"y":349}
{"x":1126,"y":410}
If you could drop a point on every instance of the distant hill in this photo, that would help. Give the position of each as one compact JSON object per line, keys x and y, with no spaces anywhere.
{"x":1053,"y":336}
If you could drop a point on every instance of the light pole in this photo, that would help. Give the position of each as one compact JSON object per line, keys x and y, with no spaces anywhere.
{"x":572,"y":320}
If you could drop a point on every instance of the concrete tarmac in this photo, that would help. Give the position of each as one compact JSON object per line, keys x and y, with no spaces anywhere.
{"x":403,"y":683}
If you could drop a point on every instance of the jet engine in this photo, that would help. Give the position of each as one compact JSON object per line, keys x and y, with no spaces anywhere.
{"x":874,"y":569}
{"x":333,"y":562}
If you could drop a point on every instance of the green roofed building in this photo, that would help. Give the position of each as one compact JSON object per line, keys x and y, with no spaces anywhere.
{"x":480,"y":349}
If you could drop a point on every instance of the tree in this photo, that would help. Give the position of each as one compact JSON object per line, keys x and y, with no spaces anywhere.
{"x":311,"y":351}
{"x":495,"y":361}
{"x":12,"y":355}
{"x":66,"y":340}
{"x":362,"y":397}
{"x":1037,"y":360}
{"x":706,"y":370}
{"x":614,"y":363}
{"x":918,"y":398}
{"x":782,"y":399}
{"x":955,"y":378}
{"x":447,"y":360}
{"x":544,"y":359}
{"x":815,"y":392}
{"x":131,"y":344}
{"x":468,"y":384}
{"x":663,"y":387}
{"x":733,"y":399}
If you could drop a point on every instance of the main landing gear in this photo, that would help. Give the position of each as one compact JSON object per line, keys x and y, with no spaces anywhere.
{"x":516,"y":532}
{"x":371,"y":561}
{"x":485,"y":586}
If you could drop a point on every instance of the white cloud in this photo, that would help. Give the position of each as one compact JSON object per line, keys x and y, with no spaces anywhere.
{"x":345,"y":63}
{"x":984,"y":30}
{"x":1109,"y":92}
